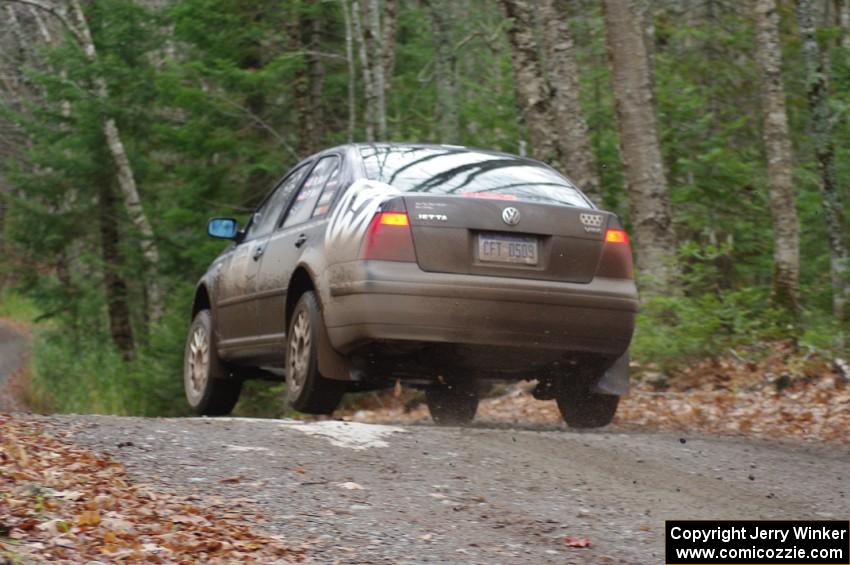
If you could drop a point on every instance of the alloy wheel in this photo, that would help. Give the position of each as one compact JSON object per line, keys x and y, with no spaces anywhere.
{"x":198,"y":363}
{"x":298,"y":355}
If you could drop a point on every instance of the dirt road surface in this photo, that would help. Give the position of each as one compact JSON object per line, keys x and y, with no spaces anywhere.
{"x":489,"y":493}
{"x":12,"y":350}
{"x":13,"y":353}
{"x":364,"y":493}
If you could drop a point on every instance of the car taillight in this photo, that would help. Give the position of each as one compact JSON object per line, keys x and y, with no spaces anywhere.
{"x":616,"y":260}
{"x":616,"y":236}
{"x":389,"y":238}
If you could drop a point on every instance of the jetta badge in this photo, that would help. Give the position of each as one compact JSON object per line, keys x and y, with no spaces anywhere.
{"x":510,"y":215}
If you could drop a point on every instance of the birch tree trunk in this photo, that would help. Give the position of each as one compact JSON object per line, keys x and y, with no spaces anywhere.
{"x":316,"y":74}
{"x":388,"y":34}
{"x":844,"y":21}
{"x":644,"y":11}
{"x":445,"y":71}
{"x":301,"y":85}
{"x":126,"y":179}
{"x":375,"y":38}
{"x":786,"y":228}
{"x":533,"y":93}
{"x":821,"y":131}
{"x":349,"y":59}
{"x":20,"y":40}
{"x":366,"y":69}
{"x":573,"y":138}
{"x":655,"y":244}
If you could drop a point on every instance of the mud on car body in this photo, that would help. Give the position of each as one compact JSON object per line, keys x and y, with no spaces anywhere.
{"x":445,"y":267}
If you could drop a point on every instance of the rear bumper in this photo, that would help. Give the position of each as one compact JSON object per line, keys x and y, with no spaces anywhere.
{"x":383,"y":300}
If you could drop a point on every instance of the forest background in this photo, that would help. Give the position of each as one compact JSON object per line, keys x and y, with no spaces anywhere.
{"x":717,"y":129}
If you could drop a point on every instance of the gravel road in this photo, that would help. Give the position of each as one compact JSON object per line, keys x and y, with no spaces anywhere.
{"x":363,"y":493}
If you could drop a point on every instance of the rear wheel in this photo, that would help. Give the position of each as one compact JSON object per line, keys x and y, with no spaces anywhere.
{"x":452,"y":404}
{"x":582,"y":408}
{"x":209,"y":390}
{"x":306,"y":389}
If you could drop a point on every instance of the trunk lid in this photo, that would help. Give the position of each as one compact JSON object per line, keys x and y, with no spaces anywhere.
{"x":467,"y":235}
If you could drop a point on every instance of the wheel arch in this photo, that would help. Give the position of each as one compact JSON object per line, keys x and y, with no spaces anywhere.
{"x":300,"y":282}
{"x":201,"y":301}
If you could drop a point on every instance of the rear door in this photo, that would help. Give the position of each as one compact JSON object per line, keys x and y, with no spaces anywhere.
{"x":237,"y":296}
{"x":301,"y":227}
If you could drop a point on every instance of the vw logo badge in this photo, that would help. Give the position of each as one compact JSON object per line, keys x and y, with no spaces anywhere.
{"x":510,"y":215}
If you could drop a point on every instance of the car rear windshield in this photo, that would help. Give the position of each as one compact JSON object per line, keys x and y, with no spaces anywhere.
{"x":475,"y":174}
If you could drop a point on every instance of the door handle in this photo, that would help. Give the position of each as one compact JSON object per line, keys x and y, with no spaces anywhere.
{"x":258,"y":252}
{"x":302,"y":239}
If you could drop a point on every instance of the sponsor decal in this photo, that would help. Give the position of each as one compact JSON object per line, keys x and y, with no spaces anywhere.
{"x":351,"y":217}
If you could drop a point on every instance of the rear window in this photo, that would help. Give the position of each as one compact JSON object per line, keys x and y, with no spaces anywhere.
{"x":461,"y":172}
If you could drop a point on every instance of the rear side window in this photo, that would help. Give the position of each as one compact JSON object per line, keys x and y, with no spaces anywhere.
{"x":474,"y":174}
{"x":267,"y":215}
{"x":328,"y":193}
{"x":302,"y":209}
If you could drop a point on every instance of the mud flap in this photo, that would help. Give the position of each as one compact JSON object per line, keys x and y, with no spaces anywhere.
{"x":615,"y":380}
{"x":332,"y":364}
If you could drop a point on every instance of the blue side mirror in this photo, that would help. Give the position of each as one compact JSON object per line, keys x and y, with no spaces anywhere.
{"x":223,"y":228}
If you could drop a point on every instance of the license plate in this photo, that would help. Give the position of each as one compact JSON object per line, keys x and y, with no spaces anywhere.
{"x":501,"y":248}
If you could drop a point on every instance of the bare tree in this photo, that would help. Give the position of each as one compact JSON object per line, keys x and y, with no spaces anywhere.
{"x":115,"y":287}
{"x":573,"y":139}
{"x":821,"y":131}
{"x":388,"y":30}
{"x":77,"y":26}
{"x":844,"y":21}
{"x":655,"y":244}
{"x":126,"y":177}
{"x":786,"y":228}
{"x":375,"y":39}
{"x":302,"y":83}
{"x":366,"y":69}
{"x":445,"y":70}
{"x":316,"y":74}
{"x":349,"y":59}
{"x":533,"y":92}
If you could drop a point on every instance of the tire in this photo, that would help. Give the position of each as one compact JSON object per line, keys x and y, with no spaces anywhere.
{"x":582,"y":408}
{"x":452,"y":404}
{"x":306,"y":389}
{"x":209,"y":389}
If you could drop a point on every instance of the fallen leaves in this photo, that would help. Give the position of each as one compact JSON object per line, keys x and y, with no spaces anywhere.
{"x":570,"y":541}
{"x":89,"y":518}
{"x":64,"y":503}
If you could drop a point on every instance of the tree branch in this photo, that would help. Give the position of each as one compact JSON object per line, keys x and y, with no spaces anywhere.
{"x":59,"y":15}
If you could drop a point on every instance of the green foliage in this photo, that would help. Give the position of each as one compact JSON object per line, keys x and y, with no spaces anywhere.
{"x":15,"y":306}
{"x":673,"y":330}
{"x":209,"y":129}
{"x":89,"y":376}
